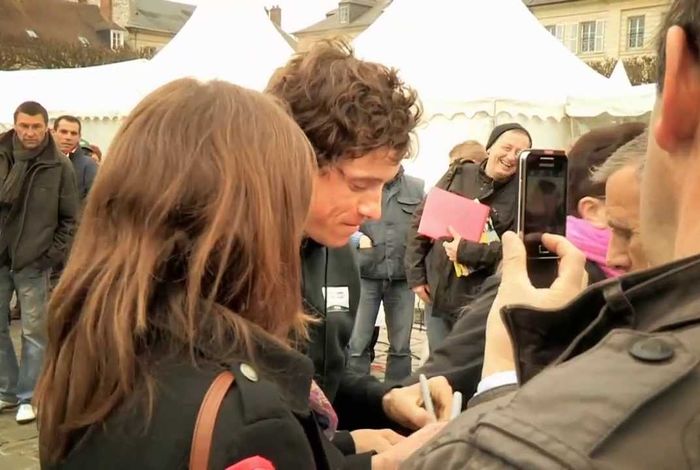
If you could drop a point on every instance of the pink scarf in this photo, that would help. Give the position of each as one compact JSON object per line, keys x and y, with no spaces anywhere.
{"x":592,"y":241}
{"x":325,"y":414}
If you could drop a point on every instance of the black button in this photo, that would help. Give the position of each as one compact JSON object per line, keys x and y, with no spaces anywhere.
{"x":651,"y":350}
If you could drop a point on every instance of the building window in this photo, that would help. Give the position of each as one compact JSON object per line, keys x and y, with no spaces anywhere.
{"x":557,"y":30}
{"x":116,"y":39}
{"x":84,"y":41}
{"x":571,"y":37}
{"x":344,"y":12}
{"x":32,"y":34}
{"x":592,"y":36}
{"x":635,"y":32}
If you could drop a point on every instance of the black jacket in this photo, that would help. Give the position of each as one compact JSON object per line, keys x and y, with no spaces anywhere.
{"x":268,"y":415}
{"x":39,"y":227}
{"x":385,"y":259}
{"x":427,"y":262}
{"x":85,"y":171}
{"x":356,"y":398}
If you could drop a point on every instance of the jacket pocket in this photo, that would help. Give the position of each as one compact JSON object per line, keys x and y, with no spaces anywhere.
{"x":408,"y":204}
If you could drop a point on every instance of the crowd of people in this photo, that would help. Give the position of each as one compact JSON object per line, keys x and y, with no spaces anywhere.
{"x":209,"y":309}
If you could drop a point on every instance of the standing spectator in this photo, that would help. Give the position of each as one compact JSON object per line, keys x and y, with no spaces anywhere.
{"x":38,"y":207}
{"x":469,"y":151}
{"x":67,"y":131}
{"x":429,"y":263}
{"x":382,"y":248}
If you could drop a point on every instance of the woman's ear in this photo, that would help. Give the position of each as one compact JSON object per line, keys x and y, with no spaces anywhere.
{"x":592,"y":210}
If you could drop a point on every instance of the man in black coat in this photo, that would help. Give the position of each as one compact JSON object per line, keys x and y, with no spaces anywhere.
{"x":67,"y":132}
{"x":358,"y":116}
{"x":429,"y":263}
{"x":38,"y":210}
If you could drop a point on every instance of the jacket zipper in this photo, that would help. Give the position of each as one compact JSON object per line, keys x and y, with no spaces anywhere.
{"x":34,"y":170}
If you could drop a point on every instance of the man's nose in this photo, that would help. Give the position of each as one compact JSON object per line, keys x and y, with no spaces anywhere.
{"x":371,"y":206}
{"x":618,"y":256}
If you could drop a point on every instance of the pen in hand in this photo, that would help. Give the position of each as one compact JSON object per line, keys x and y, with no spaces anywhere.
{"x":427,"y":399}
{"x":456,"y":405}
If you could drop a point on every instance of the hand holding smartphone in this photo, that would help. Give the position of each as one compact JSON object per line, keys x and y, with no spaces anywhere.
{"x":542,"y":196}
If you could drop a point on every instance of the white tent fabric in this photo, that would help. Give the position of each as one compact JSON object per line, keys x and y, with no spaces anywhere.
{"x":632,"y":101}
{"x":226,"y":40}
{"x":105,"y":90}
{"x":619,"y":75}
{"x":452,"y":52}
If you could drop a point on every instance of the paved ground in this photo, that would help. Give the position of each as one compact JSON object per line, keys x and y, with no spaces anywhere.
{"x":18,"y":443}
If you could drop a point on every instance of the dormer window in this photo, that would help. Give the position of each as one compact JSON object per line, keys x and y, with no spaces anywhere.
{"x":32,"y":34}
{"x":116,"y":39}
{"x":344,"y":13}
{"x":84,"y":41}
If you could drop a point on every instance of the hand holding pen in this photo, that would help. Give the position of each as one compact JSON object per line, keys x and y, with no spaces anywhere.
{"x":428,"y":401}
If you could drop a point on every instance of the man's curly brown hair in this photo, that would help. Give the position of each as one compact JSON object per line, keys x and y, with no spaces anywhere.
{"x":346,"y":106}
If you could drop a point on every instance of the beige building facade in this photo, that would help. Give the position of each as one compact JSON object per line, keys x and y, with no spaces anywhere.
{"x":598,"y":29}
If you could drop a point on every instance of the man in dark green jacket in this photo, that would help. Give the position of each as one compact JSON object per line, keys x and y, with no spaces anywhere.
{"x":38,"y":207}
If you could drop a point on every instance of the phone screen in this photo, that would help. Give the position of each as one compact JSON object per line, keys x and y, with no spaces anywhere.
{"x":544,"y":208}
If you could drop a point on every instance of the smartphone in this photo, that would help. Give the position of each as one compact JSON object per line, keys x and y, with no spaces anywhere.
{"x":542,"y":178}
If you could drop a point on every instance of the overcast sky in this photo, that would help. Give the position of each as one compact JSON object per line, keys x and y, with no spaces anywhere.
{"x":296,"y":14}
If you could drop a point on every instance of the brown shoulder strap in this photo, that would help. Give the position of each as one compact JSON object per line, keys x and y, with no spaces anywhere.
{"x":206,"y":419}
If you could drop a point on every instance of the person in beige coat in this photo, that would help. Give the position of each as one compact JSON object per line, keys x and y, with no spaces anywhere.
{"x":610,"y":377}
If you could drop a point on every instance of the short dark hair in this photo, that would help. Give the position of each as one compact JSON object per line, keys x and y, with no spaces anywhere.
{"x":347,"y":107}
{"x":69,"y":118}
{"x":589,"y":152}
{"x":686,"y":14}
{"x":32,"y":108}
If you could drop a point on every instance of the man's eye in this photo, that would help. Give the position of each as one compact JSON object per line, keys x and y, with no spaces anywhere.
{"x":626,"y":234}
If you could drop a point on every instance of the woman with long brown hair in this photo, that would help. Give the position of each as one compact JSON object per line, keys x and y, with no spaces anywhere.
{"x":185,"y":264}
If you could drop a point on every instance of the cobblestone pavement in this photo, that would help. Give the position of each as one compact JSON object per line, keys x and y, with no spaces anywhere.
{"x":18,"y":443}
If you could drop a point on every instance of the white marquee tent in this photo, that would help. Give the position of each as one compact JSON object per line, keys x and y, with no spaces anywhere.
{"x":226,"y":40}
{"x":619,"y":75}
{"x":479,"y":63}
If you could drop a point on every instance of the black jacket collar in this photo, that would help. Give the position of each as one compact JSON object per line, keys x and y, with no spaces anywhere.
{"x":659,"y":299}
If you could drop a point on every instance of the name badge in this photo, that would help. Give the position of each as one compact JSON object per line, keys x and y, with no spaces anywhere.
{"x":337,"y":297}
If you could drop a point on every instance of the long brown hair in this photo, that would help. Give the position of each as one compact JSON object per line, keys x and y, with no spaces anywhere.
{"x":189,"y":242}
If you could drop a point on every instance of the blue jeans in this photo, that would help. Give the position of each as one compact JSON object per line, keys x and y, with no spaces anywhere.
{"x":17,"y":381}
{"x":437,"y":328}
{"x":398,"y":302}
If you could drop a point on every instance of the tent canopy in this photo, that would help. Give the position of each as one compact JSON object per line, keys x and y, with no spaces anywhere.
{"x":226,"y":40}
{"x":479,"y":56}
{"x":619,"y":75}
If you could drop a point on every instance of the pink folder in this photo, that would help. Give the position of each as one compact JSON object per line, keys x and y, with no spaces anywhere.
{"x":445,"y":209}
